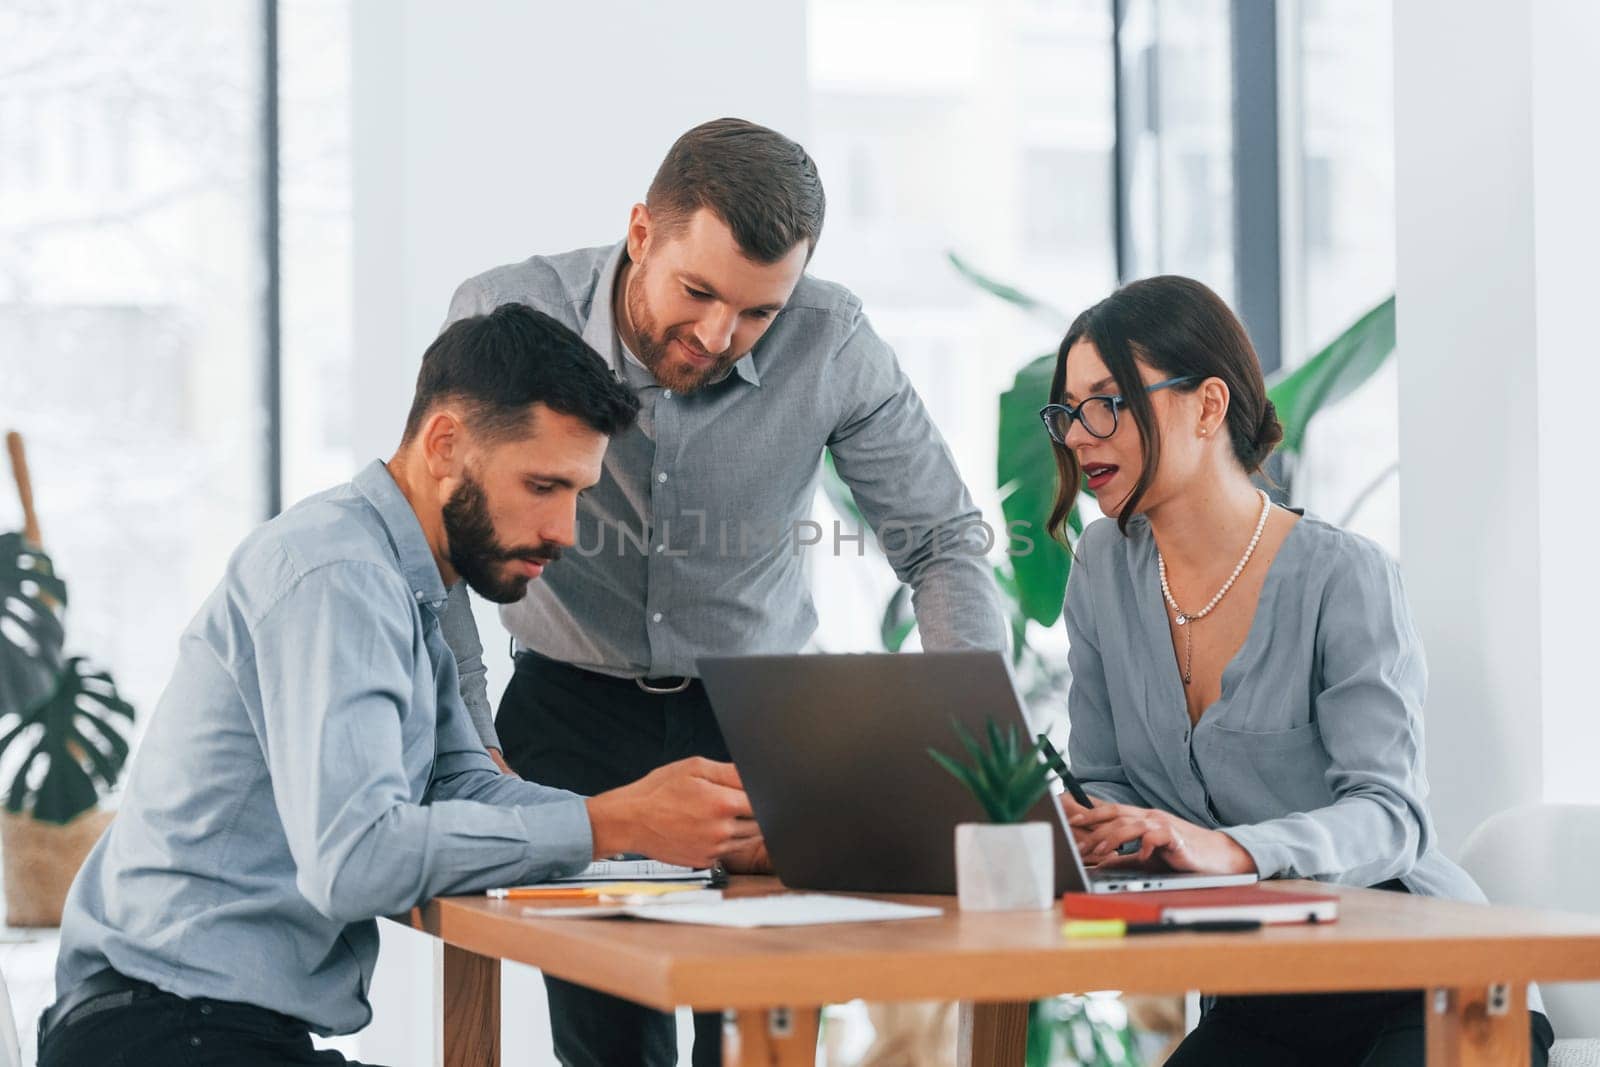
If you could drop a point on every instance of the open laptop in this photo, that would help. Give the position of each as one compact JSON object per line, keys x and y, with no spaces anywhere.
{"x":833,"y":752}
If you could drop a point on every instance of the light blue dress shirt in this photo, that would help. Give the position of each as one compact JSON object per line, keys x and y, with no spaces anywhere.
{"x":309,"y":767}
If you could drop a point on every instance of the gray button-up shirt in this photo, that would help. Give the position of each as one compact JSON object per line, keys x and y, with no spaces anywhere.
{"x":1312,"y":756}
{"x":310,"y":766}
{"x":693,"y":541}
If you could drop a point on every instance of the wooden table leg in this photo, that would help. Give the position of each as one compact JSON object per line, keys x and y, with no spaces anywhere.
{"x":775,"y":1037}
{"x":992,"y":1035}
{"x":1478,"y":1026}
{"x":471,"y":1009}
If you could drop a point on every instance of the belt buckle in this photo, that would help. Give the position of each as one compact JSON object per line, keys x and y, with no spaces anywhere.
{"x":683,"y":683}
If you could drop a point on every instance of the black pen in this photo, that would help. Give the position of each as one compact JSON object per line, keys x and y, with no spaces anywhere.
{"x":1059,"y":765}
{"x":1068,"y":779}
{"x":1203,"y":926}
{"x":1091,"y":928}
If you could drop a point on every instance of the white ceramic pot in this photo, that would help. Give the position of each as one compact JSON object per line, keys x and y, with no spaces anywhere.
{"x":1005,"y":867}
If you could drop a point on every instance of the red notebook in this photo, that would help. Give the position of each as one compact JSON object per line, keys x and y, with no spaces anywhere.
{"x":1200,"y":905}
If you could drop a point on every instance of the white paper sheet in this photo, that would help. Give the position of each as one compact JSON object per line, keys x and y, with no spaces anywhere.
{"x":782,"y":909}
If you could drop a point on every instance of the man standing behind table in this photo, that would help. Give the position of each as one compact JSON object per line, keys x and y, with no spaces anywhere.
{"x":746,"y":370}
{"x":311,"y":766}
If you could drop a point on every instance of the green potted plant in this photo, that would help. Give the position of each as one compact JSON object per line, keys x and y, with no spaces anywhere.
{"x":1004,"y":864}
{"x":65,"y":717}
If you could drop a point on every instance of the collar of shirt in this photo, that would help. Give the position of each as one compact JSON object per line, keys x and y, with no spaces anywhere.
{"x":602,"y":335}
{"x":630,"y":368}
{"x":405,"y":533}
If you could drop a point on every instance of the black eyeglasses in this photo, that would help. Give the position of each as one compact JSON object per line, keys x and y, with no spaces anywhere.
{"x":1097,"y":413}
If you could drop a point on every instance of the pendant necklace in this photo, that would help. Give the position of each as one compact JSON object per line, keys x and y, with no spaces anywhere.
{"x":1185,"y":618}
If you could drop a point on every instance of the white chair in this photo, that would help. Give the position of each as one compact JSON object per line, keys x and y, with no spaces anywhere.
{"x":1547,"y":856}
{"x":10,"y":1051}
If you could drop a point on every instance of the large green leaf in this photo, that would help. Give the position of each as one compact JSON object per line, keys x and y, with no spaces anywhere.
{"x":1332,"y":374}
{"x":31,"y":637}
{"x":1049,"y":313}
{"x":899,"y":620}
{"x":76,"y":735}
{"x":1025,"y":468}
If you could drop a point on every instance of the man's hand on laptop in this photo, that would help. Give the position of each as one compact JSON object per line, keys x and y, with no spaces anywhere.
{"x":749,"y":858}
{"x":690,"y":812}
{"x":1165,"y":840}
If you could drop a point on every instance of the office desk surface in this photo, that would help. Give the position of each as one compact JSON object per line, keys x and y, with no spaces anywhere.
{"x":1381,"y":941}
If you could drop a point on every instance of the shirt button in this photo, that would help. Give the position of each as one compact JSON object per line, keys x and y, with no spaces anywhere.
{"x":661,"y":477}
{"x":418,"y":595}
{"x":661,"y":548}
{"x":205,"y":1009}
{"x":194,"y":1042}
{"x":656,"y":617}
{"x":666,"y":394}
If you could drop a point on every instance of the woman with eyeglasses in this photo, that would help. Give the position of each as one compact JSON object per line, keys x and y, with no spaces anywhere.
{"x":1247,"y":684}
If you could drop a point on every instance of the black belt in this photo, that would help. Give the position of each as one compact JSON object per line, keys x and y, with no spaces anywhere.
{"x":101,"y":991}
{"x":661,"y":685}
{"x":108,"y":989}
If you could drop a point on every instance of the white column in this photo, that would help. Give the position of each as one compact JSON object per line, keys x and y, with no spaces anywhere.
{"x":1566,"y":217}
{"x":483,"y":134}
{"x":1496,"y":236}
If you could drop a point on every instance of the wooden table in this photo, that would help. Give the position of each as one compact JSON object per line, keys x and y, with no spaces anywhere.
{"x":1473,"y":962}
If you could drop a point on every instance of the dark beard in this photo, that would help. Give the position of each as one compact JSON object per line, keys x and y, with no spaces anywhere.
{"x":653,"y":348}
{"x":477,"y":555}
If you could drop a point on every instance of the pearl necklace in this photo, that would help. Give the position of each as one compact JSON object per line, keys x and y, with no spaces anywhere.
{"x":1184,"y":618}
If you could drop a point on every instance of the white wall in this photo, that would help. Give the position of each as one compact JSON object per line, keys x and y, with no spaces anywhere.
{"x":1566,"y":84}
{"x":485,"y":132}
{"x":1497,"y":233}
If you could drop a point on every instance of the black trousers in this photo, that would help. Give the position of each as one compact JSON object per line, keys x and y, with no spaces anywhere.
{"x":1379,"y":1029}
{"x":1323,"y":1030}
{"x":156,"y":1029}
{"x":572,"y":729}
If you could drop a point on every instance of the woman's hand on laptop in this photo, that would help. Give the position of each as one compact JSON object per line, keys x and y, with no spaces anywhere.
{"x":1080,"y":834}
{"x":1165,"y":841}
{"x":690,"y":812}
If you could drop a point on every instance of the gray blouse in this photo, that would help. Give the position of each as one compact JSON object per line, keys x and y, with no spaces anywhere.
{"x":1312,"y":757}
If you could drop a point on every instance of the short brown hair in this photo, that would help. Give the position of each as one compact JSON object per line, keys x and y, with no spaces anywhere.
{"x":763,"y":185}
{"x":1184,"y":330}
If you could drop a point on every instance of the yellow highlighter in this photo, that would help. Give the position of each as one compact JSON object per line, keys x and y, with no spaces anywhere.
{"x":1076,"y":928}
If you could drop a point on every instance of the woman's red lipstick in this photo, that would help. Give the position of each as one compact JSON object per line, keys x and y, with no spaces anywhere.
{"x":1098,"y":474}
